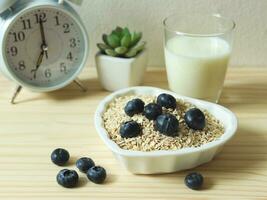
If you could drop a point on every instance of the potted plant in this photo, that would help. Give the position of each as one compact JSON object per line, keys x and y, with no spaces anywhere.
{"x":122,"y":61}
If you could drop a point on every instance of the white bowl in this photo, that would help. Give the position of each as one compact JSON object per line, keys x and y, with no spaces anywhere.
{"x":153,"y":162}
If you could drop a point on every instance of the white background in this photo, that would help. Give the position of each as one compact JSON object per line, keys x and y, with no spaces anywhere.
{"x":250,"y":46}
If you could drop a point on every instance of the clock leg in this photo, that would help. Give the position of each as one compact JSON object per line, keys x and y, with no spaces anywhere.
{"x":80,"y":85}
{"x":17,"y":91}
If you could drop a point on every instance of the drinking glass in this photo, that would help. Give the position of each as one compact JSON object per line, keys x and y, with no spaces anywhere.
{"x":197,"y":52}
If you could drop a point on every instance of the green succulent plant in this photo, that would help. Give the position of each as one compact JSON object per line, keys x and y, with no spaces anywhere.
{"x":121,"y":43}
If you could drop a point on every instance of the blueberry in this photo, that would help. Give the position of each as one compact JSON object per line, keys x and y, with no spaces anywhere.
{"x":84,"y":164}
{"x":130,"y":129}
{"x":194,"y":181}
{"x":67,"y":178}
{"x":97,"y":174}
{"x":167,"y":101}
{"x":167,"y":124}
{"x":195,"y":119}
{"x":134,"y":106}
{"x":60,"y":156}
{"x":152,"y":111}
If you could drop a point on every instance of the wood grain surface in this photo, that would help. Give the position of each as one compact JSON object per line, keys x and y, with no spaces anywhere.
{"x":39,"y":123}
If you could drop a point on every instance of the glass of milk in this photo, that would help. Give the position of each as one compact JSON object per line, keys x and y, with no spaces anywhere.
{"x":197,"y":52}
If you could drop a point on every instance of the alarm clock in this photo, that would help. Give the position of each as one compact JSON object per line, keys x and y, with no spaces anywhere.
{"x":43,"y":44}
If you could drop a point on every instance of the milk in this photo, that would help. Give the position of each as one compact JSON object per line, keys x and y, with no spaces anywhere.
{"x":196,"y":66}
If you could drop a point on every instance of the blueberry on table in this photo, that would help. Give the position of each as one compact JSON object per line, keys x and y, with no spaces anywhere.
{"x":167,"y":101}
{"x":67,"y":178}
{"x":130,"y":129}
{"x":60,"y":156}
{"x":134,"y":106}
{"x":84,"y":164}
{"x":167,"y":124}
{"x":97,"y":174}
{"x":152,"y":111}
{"x":194,"y":181}
{"x":195,"y":119}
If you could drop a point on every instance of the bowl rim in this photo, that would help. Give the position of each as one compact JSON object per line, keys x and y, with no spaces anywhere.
{"x":101,"y":108}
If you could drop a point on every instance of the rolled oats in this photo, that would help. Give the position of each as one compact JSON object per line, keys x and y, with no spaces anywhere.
{"x":150,"y":139}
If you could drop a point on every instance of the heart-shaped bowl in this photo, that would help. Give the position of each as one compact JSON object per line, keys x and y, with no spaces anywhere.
{"x":153,"y":162}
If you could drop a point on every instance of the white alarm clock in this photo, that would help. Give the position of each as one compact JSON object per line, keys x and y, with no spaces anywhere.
{"x":43,"y":44}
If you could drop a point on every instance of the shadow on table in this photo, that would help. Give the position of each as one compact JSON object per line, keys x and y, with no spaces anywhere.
{"x":82,"y":181}
{"x":70,"y":92}
{"x":241,"y":155}
{"x":245,"y":92}
{"x":236,"y":158}
{"x":110,"y":179}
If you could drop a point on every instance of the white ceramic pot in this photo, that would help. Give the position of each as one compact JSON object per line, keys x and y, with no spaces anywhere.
{"x":117,"y":73}
{"x":153,"y":162}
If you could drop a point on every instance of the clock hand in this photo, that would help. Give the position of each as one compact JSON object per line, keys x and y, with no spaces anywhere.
{"x":44,"y":50}
{"x":44,"y":43}
{"x":38,"y":64}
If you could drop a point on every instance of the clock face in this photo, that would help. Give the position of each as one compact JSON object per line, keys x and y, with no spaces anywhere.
{"x":45,"y":47}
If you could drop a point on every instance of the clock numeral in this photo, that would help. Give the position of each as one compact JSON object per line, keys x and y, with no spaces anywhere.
{"x":40,"y":17}
{"x":20,"y":36}
{"x":26,"y":24}
{"x":14,"y":51}
{"x":57,"y":20}
{"x":63,"y":68}
{"x":22,"y":65}
{"x":73,"y":43}
{"x":69,"y":56}
{"x":48,"y":73}
{"x":66,"y":27}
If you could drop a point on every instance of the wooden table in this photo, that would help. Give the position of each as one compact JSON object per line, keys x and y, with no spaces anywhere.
{"x":39,"y":123}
